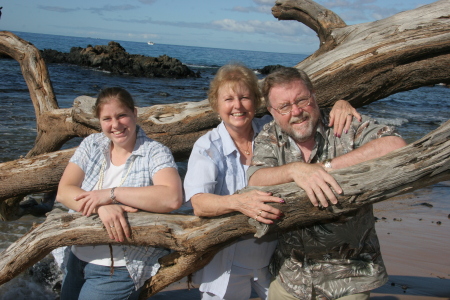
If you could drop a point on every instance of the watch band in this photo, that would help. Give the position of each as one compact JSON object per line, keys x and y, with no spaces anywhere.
{"x":113,"y":197}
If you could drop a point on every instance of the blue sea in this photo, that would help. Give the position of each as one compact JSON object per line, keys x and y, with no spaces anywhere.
{"x":414,"y":113}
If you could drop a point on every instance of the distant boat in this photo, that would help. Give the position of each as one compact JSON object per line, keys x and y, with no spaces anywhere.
{"x":150,"y":43}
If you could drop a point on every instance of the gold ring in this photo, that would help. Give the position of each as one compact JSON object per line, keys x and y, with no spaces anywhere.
{"x":260,"y":212}
{"x":256,"y":218}
{"x":349,"y":114}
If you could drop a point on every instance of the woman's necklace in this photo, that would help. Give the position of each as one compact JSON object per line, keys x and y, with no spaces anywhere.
{"x":102,"y":174}
{"x":249,"y":143}
{"x":247,"y":152}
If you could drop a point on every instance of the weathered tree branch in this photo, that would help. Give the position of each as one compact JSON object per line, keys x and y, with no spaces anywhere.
{"x":361,"y":63}
{"x":422,"y":163}
{"x":313,"y":15}
{"x":366,"y":62}
{"x":44,"y":101}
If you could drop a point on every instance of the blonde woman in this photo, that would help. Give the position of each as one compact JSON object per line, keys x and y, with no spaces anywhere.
{"x":217,"y":168}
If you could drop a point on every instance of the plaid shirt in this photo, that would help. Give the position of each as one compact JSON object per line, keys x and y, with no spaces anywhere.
{"x":148,"y":157}
{"x":337,"y":259}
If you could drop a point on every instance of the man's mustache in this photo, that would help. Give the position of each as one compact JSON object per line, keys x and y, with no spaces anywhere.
{"x":298,"y":119}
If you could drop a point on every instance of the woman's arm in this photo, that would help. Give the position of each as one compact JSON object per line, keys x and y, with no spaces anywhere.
{"x":251,"y":204}
{"x":112,"y":216}
{"x":70,"y":186}
{"x":164,"y":196}
{"x":341,"y":116}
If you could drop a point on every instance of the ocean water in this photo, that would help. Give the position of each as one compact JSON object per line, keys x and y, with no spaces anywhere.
{"x":414,"y":113}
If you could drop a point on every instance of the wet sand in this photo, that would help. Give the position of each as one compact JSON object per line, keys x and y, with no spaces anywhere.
{"x":414,"y":232}
{"x":415,"y":244}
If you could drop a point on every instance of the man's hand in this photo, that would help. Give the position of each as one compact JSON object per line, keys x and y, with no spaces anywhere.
{"x":316,"y":182}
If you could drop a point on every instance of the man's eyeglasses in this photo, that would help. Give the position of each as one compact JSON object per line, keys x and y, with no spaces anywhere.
{"x":286,"y":108}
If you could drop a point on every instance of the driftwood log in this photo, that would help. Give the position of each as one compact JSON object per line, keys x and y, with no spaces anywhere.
{"x":196,"y":240}
{"x":361,"y":63}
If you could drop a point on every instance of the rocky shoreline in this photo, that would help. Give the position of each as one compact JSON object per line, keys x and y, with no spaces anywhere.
{"x":113,"y":58}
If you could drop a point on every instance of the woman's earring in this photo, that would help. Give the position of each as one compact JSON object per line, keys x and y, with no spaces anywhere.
{"x":218,"y":117}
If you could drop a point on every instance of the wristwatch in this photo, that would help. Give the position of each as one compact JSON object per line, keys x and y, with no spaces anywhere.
{"x":327,"y":163}
{"x":113,"y":197}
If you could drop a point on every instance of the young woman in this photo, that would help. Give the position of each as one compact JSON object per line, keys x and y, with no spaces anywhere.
{"x":119,"y":170}
{"x":216,"y":169}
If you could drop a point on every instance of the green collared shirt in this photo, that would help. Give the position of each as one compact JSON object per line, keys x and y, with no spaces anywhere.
{"x":337,"y":259}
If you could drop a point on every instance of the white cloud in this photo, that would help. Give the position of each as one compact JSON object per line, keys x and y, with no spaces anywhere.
{"x":336,"y":3}
{"x":110,"y":8}
{"x":94,"y":10}
{"x":357,"y":11}
{"x":265,"y":9}
{"x":262,"y":27}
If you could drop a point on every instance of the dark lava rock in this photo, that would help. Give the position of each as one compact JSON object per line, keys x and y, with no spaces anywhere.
{"x":269,"y":69}
{"x":37,"y":207}
{"x":115,"y":59}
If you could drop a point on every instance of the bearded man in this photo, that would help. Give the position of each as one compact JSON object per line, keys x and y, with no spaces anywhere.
{"x":339,"y":260}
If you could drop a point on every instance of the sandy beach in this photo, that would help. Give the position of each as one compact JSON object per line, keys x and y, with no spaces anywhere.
{"x":414,"y":232}
{"x":414,"y":239}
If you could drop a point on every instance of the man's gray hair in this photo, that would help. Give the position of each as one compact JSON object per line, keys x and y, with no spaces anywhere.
{"x":282,"y":76}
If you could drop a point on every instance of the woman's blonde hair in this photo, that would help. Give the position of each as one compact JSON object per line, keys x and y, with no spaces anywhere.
{"x":234,"y":74}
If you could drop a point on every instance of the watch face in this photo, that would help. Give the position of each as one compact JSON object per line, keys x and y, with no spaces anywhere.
{"x":327,"y":164}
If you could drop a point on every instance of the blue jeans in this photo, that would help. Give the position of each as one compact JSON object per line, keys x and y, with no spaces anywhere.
{"x":85,"y":281}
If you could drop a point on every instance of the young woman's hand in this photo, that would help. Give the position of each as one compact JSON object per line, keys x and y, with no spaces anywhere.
{"x":94,"y":199}
{"x":114,"y":220}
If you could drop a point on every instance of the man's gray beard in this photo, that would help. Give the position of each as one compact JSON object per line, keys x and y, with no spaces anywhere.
{"x":298,"y":138}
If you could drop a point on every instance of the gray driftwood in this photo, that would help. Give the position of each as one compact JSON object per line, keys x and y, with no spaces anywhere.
{"x":361,"y":63}
{"x":196,"y":240}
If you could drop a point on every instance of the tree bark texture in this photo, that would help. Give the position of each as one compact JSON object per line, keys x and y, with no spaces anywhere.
{"x":360,"y":63}
{"x":417,"y":165}
{"x":366,"y":62}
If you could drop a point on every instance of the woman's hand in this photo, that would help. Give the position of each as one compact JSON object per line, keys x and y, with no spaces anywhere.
{"x":341,"y":117}
{"x":92,"y":200}
{"x":114,"y":220}
{"x":252,"y":204}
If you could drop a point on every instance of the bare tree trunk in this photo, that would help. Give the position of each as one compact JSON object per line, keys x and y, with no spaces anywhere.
{"x":360,"y":63}
{"x":366,"y":62}
{"x":422,"y":163}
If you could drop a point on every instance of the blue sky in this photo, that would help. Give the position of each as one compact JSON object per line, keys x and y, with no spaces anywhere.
{"x":230,"y":24}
